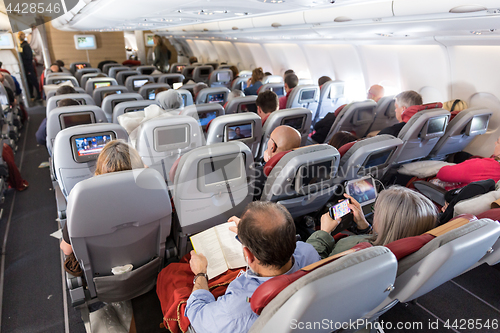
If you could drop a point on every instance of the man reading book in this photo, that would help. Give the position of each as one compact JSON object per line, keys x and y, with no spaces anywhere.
{"x":231,"y":312}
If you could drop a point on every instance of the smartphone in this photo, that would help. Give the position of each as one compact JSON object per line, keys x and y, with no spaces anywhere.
{"x":343,"y":212}
{"x":339,"y":210}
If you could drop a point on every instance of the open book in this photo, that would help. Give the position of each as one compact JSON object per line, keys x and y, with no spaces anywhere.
{"x":222,"y":249}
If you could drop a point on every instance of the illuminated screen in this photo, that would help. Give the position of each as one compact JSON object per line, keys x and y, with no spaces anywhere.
{"x":279,"y":91}
{"x":307,"y":95}
{"x":215,"y":98}
{"x":217,"y":171}
{"x":362,"y":190}
{"x":88,"y":147}
{"x":177,"y":85}
{"x":479,"y":123}
{"x":6,"y":41}
{"x":377,"y":159}
{"x":60,"y":81}
{"x":179,"y":68}
{"x":68,"y":120}
{"x":151,"y":94}
{"x":81,"y":66}
{"x":206,"y":117}
{"x":140,"y":83}
{"x":170,"y":136}
{"x":315,"y":173}
{"x":293,"y":122}
{"x":436,"y":125}
{"x":238,"y":132}
{"x":102,"y":84}
{"x":150,"y":40}
{"x":85,"y":42}
{"x":224,"y":76}
{"x":341,"y":209}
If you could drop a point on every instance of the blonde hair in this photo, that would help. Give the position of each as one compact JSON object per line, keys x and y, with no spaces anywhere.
{"x":400,"y":213}
{"x":117,"y":155}
{"x":459,"y":106}
{"x":257,"y":75}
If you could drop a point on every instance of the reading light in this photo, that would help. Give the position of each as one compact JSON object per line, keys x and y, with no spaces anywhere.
{"x":342,"y":19}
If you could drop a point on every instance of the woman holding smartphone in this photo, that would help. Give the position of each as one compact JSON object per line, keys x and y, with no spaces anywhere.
{"x":398,"y":213}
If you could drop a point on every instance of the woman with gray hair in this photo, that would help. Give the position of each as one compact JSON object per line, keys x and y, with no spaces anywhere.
{"x":398,"y":213}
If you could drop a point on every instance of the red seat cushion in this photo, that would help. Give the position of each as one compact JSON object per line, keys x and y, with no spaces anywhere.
{"x":340,"y":108}
{"x":406,"y":246}
{"x":273,"y":161}
{"x":412,"y":110}
{"x":266,"y":292}
{"x":345,"y":148}
{"x":493,"y":214}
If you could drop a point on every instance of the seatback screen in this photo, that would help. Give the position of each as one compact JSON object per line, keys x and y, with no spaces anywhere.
{"x":88,"y":147}
{"x":179,"y":68}
{"x":205,"y":117}
{"x":140,"y":83}
{"x":279,"y":91}
{"x":102,"y":84}
{"x":151,"y":94}
{"x":307,"y":95}
{"x":148,"y":71}
{"x":127,"y":110}
{"x":80,"y":101}
{"x":223,"y":77}
{"x":250,"y":107}
{"x":377,"y":159}
{"x":78,"y":118}
{"x":81,"y":66}
{"x":336,"y":91}
{"x":315,"y":173}
{"x":170,"y":136}
{"x":220,"y":170}
{"x":479,"y":124}
{"x":60,"y":81}
{"x":177,"y":85}
{"x":436,"y":125}
{"x":204,"y":72}
{"x":295,"y":122}
{"x":127,"y":75}
{"x":362,"y":190}
{"x":118,"y":101}
{"x":215,"y":98}
{"x":238,"y":132}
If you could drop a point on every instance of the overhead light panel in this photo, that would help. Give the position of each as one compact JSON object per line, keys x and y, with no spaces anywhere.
{"x":467,"y":9}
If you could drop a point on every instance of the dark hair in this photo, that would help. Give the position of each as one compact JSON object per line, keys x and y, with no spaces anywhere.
{"x":192,"y":60}
{"x":67,"y":102}
{"x":341,"y":138}
{"x":63,"y":90}
{"x":289,"y":71}
{"x":235,"y":71}
{"x":160,"y":44}
{"x":1,"y":63}
{"x":268,"y":231}
{"x":324,"y":79}
{"x":59,"y":67}
{"x":60,"y":63}
{"x":159,"y":90}
{"x":291,"y":80}
{"x":267,"y":101}
{"x":268,"y":73}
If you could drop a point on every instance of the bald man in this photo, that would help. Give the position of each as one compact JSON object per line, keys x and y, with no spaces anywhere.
{"x":376,"y":92}
{"x":283,"y":138}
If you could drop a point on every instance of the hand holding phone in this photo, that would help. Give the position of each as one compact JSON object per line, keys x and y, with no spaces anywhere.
{"x":342,"y":212}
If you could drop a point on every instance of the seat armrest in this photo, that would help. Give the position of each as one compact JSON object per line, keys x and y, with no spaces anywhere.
{"x":60,"y":202}
{"x":431,"y":191}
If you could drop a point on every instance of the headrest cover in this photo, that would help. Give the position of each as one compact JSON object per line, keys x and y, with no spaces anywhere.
{"x":345,"y":148}
{"x":273,"y":161}
{"x":412,"y":110}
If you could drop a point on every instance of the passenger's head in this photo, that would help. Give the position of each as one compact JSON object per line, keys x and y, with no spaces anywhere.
{"x":268,"y":74}
{"x":170,"y":99}
{"x":64,"y":90}
{"x":265,"y":244}
{"x":288,"y":71}
{"x":1,"y":64}
{"x":2,"y":78}
{"x":159,"y":90}
{"x":291,"y":81}
{"x":376,"y":92}
{"x":192,"y":60}
{"x":60,"y":63}
{"x":267,"y":102}
{"x":235,"y":71}
{"x":322,"y":80}
{"x":199,"y":87}
{"x":21,"y":36}
{"x":257,"y":75}
{"x":404,"y":100}
{"x":157,"y":40}
{"x":283,"y":138}
{"x":101,"y":75}
{"x":341,"y":138}
{"x":116,"y":156}
{"x":401,"y":212}
{"x":109,"y":93}
{"x":235,"y":93}
{"x":55,"y":68}
{"x":455,"y":105}
{"x":67,"y":102}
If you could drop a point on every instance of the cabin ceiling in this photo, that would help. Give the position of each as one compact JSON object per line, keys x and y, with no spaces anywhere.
{"x":288,"y":19}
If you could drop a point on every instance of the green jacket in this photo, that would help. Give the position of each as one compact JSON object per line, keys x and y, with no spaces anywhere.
{"x":325,"y":245}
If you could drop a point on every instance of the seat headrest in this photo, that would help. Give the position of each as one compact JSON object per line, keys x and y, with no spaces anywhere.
{"x":412,"y":110}
{"x":345,"y":148}
{"x":267,"y":291}
{"x":273,"y":161}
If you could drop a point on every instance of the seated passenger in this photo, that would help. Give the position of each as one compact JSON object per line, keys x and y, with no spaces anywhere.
{"x":282,"y":139}
{"x":472,"y":170}
{"x":41,"y":133}
{"x":233,"y":94}
{"x":55,"y":68}
{"x":288,"y":71}
{"x":197,"y":88}
{"x":322,"y":80}
{"x":231,"y":311}
{"x":403,"y":101}
{"x":254,"y":82}
{"x":322,"y":127}
{"x":267,"y":102}
{"x":235,"y":71}
{"x":398,"y":213}
{"x":455,"y":107}
{"x":291,"y":81}
{"x":341,"y":138}
{"x":116,"y":156}
{"x":193,"y":60}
